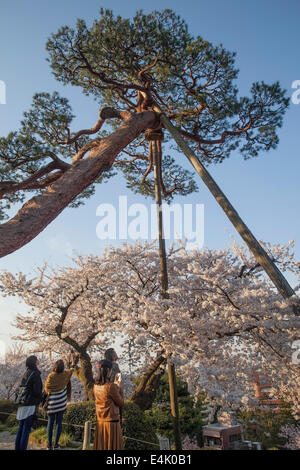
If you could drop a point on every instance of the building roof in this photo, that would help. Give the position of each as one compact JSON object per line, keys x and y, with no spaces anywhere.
{"x":219,"y":427}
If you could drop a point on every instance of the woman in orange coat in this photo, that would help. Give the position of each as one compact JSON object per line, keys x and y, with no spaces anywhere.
{"x":108,"y":399}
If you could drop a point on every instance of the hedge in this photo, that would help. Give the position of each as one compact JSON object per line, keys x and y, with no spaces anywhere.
{"x":79,"y":413}
{"x":6,"y":406}
{"x":135,"y":424}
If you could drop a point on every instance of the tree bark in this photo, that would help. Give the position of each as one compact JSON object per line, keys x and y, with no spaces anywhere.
{"x":85,"y":374}
{"x":37,"y":213}
{"x":145,"y":392}
{"x":258,"y":251}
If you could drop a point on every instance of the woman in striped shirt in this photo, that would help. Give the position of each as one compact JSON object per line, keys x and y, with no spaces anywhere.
{"x":58,"y":388}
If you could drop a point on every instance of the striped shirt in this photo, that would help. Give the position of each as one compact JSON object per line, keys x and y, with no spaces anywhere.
{"x":57,"y":402}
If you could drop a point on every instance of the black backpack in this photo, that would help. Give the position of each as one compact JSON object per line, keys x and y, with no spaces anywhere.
{"x":21,"y":394}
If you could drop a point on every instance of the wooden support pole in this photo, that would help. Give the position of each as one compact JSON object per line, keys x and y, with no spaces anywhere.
{"x":156,"y":151}
{"x":87,"y":435}
{"x":254,"y":246}
{"x":161,"y":239}
{"x":174,"y":405}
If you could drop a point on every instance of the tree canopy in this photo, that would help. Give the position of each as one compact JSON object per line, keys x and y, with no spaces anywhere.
{"x":117,"y":60}
{"x":128,"y":65}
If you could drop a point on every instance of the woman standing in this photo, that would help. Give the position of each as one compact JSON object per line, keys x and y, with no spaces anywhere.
{"x":32,"y":383}
{"x":58,"y":388}
{"x":111,"y":355}
{"x":108,"y":398}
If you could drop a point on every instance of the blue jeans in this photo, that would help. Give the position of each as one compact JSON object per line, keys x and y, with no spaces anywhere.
{"x":23,"y":433}
{"x":57,"y":417}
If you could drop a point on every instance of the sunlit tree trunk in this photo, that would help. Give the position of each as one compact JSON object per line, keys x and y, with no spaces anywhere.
{"x":83,"y":370}
{"x":37,"y":213}
{"x":85,"y":374}
{"x":145,"y":392}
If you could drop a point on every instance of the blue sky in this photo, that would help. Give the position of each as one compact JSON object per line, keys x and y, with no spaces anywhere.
{"x":265,"y":190}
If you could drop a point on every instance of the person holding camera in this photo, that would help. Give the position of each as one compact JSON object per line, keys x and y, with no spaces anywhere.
{"x":109,"y":397}
{"x":111,"y":355}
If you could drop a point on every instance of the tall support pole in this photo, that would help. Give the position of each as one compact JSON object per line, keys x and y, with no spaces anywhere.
{"x":156,"y":156}
{"x":158,"y":200}
{"x":254,"y":246}
{"x":174,"y":405}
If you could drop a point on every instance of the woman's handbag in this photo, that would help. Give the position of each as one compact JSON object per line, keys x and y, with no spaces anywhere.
{"x":44,"y":403}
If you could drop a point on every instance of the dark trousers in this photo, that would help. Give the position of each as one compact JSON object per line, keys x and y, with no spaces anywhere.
{"x":57,"y":417}
{"x":22,"y":436}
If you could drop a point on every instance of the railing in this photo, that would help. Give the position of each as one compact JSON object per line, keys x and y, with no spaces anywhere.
{"x":87,"y":432}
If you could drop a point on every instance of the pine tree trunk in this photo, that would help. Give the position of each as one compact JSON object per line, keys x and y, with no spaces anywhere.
{"x":39,"y":211}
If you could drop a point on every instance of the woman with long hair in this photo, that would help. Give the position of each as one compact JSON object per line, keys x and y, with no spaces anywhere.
{"x":58,"y":389}
{"x":32,"y":386}
{"x":111,"y":355}
{"x":108,"y":399}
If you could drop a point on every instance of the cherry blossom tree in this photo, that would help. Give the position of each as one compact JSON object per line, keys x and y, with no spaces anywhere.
{"x":222,"y":319}
{"x":10,"y":370}
{"x":66,"y":312}
{"x":13,"y":367}
{"x":291,"y":433}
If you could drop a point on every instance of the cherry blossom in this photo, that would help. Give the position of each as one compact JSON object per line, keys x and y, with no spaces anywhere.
{"x":222,"y":320}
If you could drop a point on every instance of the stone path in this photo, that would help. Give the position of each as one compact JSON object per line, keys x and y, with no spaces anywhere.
{"x":7,"y":442}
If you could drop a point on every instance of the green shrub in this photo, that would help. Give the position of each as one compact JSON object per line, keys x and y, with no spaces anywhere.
{"x":12,"y":420}
{"x":136,"y":425}
{"x":39,"y":437}
{"x":190,"y":412}
{"x":264,"y":425}
{"x":78,"y":413}
{"x":14,"y":429}
{"x":5,"y":428}
{"x":6,"y":406}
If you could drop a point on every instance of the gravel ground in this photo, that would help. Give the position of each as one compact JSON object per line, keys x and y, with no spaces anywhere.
{"x":7,"y":442}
